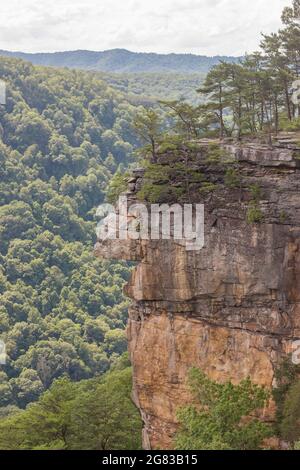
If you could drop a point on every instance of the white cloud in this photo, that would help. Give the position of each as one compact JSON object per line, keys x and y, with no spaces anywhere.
{"x":208,"y":27}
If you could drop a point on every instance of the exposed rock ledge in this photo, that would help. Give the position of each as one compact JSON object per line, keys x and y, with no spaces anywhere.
{"x":232,"y":308}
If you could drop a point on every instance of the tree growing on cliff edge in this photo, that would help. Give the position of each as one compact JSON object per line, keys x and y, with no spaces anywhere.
{"x":221,"y":417}
{"x":188,"y":121}
{"x":215,"y":87}
{"x":148,"y":126}
{"x":255,"y":95}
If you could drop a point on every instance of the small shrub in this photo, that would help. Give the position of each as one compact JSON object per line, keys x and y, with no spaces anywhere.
{"x":289,"y":126}
{"x":208,"y":187}
{"x":218,"y":155}
{"x":117,"y":186}
{"x":155,"y":193}
{"x":232,"y":178}
{"x":256,"y":192}
{"x":254,"y":215}
{"x":282,"y":217}
{"x":164,"y":183}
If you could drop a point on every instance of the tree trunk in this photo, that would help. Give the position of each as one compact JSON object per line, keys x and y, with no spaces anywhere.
{"x":262,"y":115}
{"x":287,"y":99}
{"x":154,"y":156}
{"x":221,"y":114}
{"x":276,"y":115}
{"x":240,"y":118}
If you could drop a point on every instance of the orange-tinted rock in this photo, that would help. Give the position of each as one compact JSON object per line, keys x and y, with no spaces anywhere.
{"x":231,"y":309}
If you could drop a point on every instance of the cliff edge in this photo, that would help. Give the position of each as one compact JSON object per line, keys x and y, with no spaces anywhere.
{"x":232,"y":308}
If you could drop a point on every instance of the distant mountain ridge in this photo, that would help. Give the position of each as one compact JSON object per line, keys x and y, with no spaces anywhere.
{"x":123,"y":61}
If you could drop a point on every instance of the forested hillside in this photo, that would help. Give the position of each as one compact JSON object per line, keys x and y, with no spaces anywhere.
{"x":150,"y":76}
{"x":123,"y":61}
{"x":150,"y":87}
{"x":62,"y":135}
{"x":93,"y":414}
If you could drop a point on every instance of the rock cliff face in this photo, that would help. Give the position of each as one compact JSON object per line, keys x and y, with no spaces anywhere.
{"x":232,"y":308}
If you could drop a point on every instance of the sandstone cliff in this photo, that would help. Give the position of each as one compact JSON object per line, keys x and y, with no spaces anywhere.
{"x":232,"y":308}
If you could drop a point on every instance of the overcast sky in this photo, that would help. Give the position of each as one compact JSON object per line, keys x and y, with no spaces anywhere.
{"x":209,"y":27}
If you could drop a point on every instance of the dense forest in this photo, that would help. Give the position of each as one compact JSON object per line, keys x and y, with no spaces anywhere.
{"x":62,"y":312}
{"x":123,"y":61}
{"x":93,"y":414}
{"x":63,"y":135}
{"x":149,"y":88}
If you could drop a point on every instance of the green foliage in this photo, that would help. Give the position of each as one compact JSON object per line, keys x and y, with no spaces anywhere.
{"x":118,"y":185}
{"x":289,"y":126}
{"x":232,"y":178}
{"x":256,"y":192}
{"x":290,"y":424}
{"x":156,"y":185}
{"x":127,"y":63}
{"x":287,"y":376}
{"x":62,"y":312}
{"x":96,"y":414}
{"x":253,"y":96}
{"x":222,"y":416}
{"x":148,"y":127}
{"x":170,"y":182}
{"x":155,"y":193}
{"x":208,"y":187}
{"x":188,"y":121}
{"x":282,"y":217}
{"x":168,"y":146}
{"x":254,"y":215}
{"x":148,"y":88}
{"x":218,"y":155}
{"x":114,"y":423}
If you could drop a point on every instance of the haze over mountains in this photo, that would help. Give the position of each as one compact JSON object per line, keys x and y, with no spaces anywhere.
{"x":124,"y":61}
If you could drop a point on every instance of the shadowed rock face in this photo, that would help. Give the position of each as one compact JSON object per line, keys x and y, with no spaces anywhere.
{"x":232,"y":308}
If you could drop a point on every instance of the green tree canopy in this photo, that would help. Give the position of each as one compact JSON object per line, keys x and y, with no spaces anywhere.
{"x":222,"y":416}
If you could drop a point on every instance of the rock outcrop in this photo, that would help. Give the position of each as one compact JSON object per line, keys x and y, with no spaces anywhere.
{"x":232,"y":308}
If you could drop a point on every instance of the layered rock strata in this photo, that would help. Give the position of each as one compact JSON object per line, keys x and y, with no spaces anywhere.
{"x":232,"y":308}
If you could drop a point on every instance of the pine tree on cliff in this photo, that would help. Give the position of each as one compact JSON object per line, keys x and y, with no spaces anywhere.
{"x":253,"y":95}
{"x":215,"y":87}
{"x":278,"y":65}
{"x":148,"y":126}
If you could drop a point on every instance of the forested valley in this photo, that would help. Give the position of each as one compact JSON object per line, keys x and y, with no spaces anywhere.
{"x":62,"y":313}
{"x":66,"y":139}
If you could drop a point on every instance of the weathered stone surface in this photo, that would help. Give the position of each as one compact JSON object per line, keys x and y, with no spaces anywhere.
{"x":232,"y":308}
